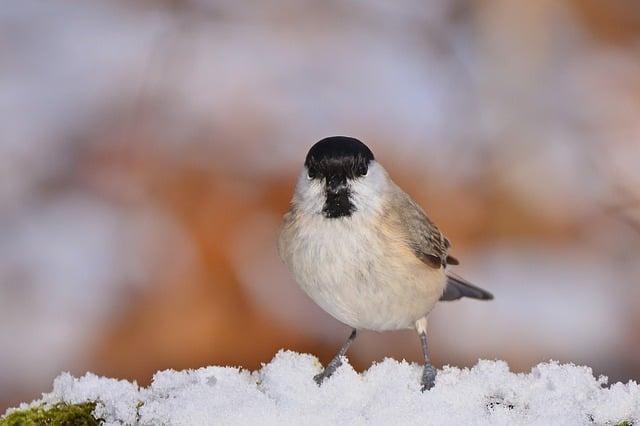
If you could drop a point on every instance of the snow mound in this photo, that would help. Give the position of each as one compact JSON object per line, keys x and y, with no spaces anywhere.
{"x":283,"y":392}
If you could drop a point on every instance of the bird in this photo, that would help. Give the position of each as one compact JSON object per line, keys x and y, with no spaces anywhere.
{"x":364,"y":251}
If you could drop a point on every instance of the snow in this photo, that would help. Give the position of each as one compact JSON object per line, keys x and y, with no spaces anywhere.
{"x":283,"y":392}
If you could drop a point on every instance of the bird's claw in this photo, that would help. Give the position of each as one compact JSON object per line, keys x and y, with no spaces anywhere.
{"x":327,"y":372}
{"x":428,"y":377}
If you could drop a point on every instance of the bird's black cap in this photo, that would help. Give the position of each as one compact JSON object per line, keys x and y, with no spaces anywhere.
{"x":338,"y":152}
{"x":338,"y":147}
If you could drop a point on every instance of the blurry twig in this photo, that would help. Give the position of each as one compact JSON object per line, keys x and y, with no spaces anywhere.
{"x":620,"y":209}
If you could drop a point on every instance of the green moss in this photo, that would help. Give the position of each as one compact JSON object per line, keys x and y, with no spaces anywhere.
{"x":61,"y":414}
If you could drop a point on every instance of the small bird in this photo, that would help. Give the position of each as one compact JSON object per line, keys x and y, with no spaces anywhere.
{"x":363,"y":250}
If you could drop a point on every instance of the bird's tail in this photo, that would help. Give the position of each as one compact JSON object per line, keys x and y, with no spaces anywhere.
{"x":458,"y":288}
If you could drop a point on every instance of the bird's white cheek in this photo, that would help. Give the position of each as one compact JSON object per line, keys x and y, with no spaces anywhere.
{"x":367,"y":193}
{"x":309,"y":195}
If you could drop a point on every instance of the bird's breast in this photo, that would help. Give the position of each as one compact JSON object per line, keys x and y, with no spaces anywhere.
{"x":359,"y":273}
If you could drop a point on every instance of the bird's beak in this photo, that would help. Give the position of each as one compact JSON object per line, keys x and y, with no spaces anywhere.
{"x":336,"y":184}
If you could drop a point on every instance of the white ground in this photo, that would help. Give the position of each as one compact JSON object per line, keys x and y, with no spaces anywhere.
{"x":283,"y":392}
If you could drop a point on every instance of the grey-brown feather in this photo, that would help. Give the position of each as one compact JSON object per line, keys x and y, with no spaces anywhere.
{"x":423,"y":236}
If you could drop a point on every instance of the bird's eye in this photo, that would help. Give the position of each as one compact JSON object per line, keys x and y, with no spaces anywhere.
{"x":363,"y":169}
{"x":311,"y":173}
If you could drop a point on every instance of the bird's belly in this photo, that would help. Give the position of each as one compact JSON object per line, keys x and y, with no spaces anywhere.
{"x":365,"y":281}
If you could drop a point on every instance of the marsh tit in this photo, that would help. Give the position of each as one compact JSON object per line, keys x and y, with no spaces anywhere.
{"x":363,"y":250}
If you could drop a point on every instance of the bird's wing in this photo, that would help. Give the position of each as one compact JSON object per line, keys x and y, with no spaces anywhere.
{"x":458,"y":288}
{"x":423,"y":236}
{"x":431,"y":247}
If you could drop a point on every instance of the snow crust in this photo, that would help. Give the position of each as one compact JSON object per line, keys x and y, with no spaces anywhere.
{"x":283,"y":392}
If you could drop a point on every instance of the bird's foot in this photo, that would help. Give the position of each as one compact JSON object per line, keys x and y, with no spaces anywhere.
{"x":327,"y":372}
{"x":428,"y":377}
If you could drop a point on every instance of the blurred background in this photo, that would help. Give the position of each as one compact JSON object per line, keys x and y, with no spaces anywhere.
{"x":148,"y":150}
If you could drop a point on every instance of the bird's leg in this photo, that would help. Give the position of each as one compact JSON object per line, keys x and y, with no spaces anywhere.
{"x":429,"y":372}
{"x":336,"y":361}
